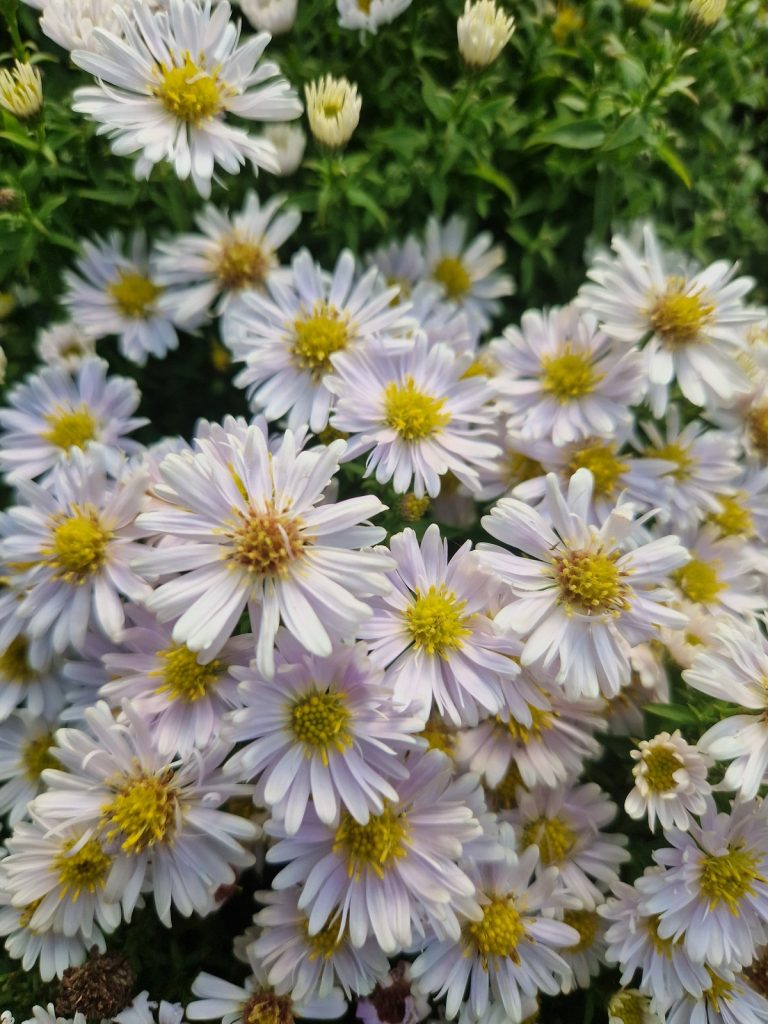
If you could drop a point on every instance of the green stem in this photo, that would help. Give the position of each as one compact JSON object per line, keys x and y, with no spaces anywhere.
{"x":11,"y":20}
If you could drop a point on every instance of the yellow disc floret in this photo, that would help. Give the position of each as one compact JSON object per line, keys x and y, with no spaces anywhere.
{"x":729,"y":877}
{"x":554,"y":837}
{"x":679,"y":316}
{"x":319,"y":719}
{"x":604,"y":464}
{"x":265,"y":542}
{"x":183,"y":677}
{"x":586,"y":923}
{"x":733,"y":519}
{"x":698,"y":581}
{"x":372,"y":846}
{"x":142,"y":814}
{"x":325,"y":943}
{"x":85,"y":868}
{"x":134,"y":294}
{"x":541,"y":721}
{"x":188,"y":91}
{"x":266,"y":1007}
{"x":569,"y":375}
{"x":629,"y":1007}
{"x":78,"y":547}
{"x":411,"y":413}
{"x":453,"y":276}
{"x":499,"y":932}
{"x":591,"y":582}
{"x":675,"y":453}
{"x":319,"y":336}
{"x":435,"y":622}
{"x":36,"y":756}
{"x":70,"y":428}
{"x":241,"y":264}
{"x":14,"y":662}
{"x":661,"y":763}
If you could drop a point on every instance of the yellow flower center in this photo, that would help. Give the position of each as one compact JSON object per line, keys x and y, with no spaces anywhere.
{"x":698,"y":581}
{"x":661,"y":763}
{"x":504,"y":796}
{"x":320,"y":720}
{"x":332,"y":108}
{"x":719,"y":991}
{"x":453,"y":276}
{"x":554,"y":837}
{"x":134,"y":294}
{"x":267,"y":1008}
{"x":364,"y":6}
{"x":375,"y":845}
{"x":757,"y":423}
{"x":674,"y":453}
{"x":14,"y":665}
{"x":629,"y":1007}
{"x":435,"y":622}
{"x":241,"y":264}
{"x":586,"y":923}
{"x":439,"y":735}
{"x":189,"y":92}
{"x":142,"y":814}
{"x":604,"y":465}
{"x":499,"y":932}
{"x":411,"y":413}
{"x":661,"y":946}
{"x":36,"y":756}
{"x":266,"y":542}
{"x":87,"y":868}
{"x":569,"y":375}
{"x":591,"y":582}
{"x":318,"y":336}
{"x":78,"y":547}
{"x":183,"y":677}
{"x":729,"y":877}
{"x":411,"y":508}
{"x":541,"y":721}
{"x":733,"y":520}
{"x":679,"y":316}
{"x":70,"y":428}
{"x":326,"y":942}
{"x":519,"y":468}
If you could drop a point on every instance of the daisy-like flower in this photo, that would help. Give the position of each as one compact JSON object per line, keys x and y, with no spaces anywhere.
{"x":632,"y":1007}
{"x":392,"y":875}
{"x":66,"y":345}
{"x":289,"y":142}
{"x":333,"y":110}
{"x":695,"y":323}
{"x":53,"y":413}
{"x":181,"y":694}
{"x":483,"y":31}
{"x":72,"y":23}
{"x":394,"y":995}
{"x":579,"y":603}
{"x":321,"y":728}
{"x":25,"y":752}
{"x":287,"y":337}
{"x":508,"y":951}
{"x":685,"y":645}
{"x":433,"y":634}
{"x":633,"y":942}
{"x":400,"y":263}
{"x":30,"y":678}
{"x":670,"y":781}
{"x":562,"y":378}
{"x":565,"y":825}
{"x":729,"y":999}
{"x":115,"y":293}
{"x":368,"y":17}
{"x":311,"y":965}
{"x":21,"y":90}
{"x":159,"y":820}
{"x":74,"y":543}
{"x":586,"y":958}
{"x":744,"y":513}
{"x":418,"y":412}
{"x":467,"y":273}
{"x":229,"y":255}
{"x":714,"y":891}
{"x":255,"y":535}
{"x":722,"y":575}
{"x":273,"y":16}
{"x":444,"y":322}
{"x":165,"y":89}
{"x":735,"y":669}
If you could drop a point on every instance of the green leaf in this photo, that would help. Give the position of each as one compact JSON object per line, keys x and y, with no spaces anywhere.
{"x":671,"y":712}
{"x":673,"y":161}
{"x":357,"y":197}
{"x":438,"y":101}
{"x":576,"y":135}
{"x":630,"y":130}
{"x":500,"y":181}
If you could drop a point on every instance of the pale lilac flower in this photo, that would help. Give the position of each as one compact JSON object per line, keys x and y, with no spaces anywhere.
{"x":670,"y":781}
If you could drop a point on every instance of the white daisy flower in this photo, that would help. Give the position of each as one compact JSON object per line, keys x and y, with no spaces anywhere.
{"x":735,"y":669}
{"x":744,"y":513}
{"x":115,"y":293}
{"x":509,"y":950}
{"x":467,"y":273}
{"x":72,"y":23}
{"x":389,"y":877}
{"x":695,"y":323}
{"x":729,"y":999}
{"x":417,"y":411}
{"x":394,"y":995}
{"x":670,"y":781}
{"x":181,"y":694}
{"x":53,"y":413}
{"x":369,"y":15}
{"x":723,"y":575}
{"x":231,"y":253}
{"x":255,"y":535}
{"x":25,"y":751}
{"x":714,"y":890}
{"x":565,"y":824}
{"x":632,"y":1007}
{"x":165,"y":90}
{"x":322,"y":728}
{"x":273,"y":16}
{"x":286,"y":338}
{"x":64,"y":344}
{"x":433,"y":635}
{"x":289,"y":142}
{"x":562,"y":379}
{"x":579,"y":602}
{"x":75,"y":542}
{"x":311,"y":965}
{"x":400,"y":263}
{"x":158,"y":819}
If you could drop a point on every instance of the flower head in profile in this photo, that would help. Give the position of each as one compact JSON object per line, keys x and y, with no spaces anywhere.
{"x":483,"y":31}
{"x":64,"y":344}
{"x":273,"y":16}
{"x":333,"y":110}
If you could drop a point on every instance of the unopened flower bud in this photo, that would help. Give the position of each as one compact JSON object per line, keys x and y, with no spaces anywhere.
{"x":274,"y":16}
{"x":21,"y":90}
{"x":483,"y":30}
{"x":333,"y":109}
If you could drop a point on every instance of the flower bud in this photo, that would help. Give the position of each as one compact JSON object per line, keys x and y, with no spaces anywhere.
{"x":333,"y":109}
{"x":275,"y":16}
{"x":21,"y":90}
{"x":483,"y":30}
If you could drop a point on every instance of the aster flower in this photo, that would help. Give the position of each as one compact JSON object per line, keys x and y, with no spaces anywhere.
{"x":273,"y":16}
{"x":52,"y":413}
{"x":632,"y":1007}
{"x":333,"y":110}
{"x":379,"y":12}
{"x":173,"y":107}
{"x":30,"y":678}
{"x":670,"y":781}
{"x":417,"y":411}
{"x":508,"y":952}
{"x":391,"y":875}
{"x":442,"y":322}
{"x":433,"y":634}
{"x":72,"y":23}
{"x":744,"y":513}
{"x":231,"y":253}
{"x":467,"y":272}
{"x":25,"y":751}
{"x":483,"y":31}
{"x":695,"y":323}
{"x":322,"y":728}
{"x":722,"y":575}
{"x":729,"y":999}
{"x":64,"y":344}
{"x":713,"y":892}
{"x":74,"y":542}
{"x":684,"y":645}
{"x":112,"y":292}
{"x":400,"y":263}
{"x":286,"y":338}
{"x":579,"y":603}
{"x":561,"y":378}
{"x":157,"y":819}
{"x":255,"y":535}
{"x":586,"y":958}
